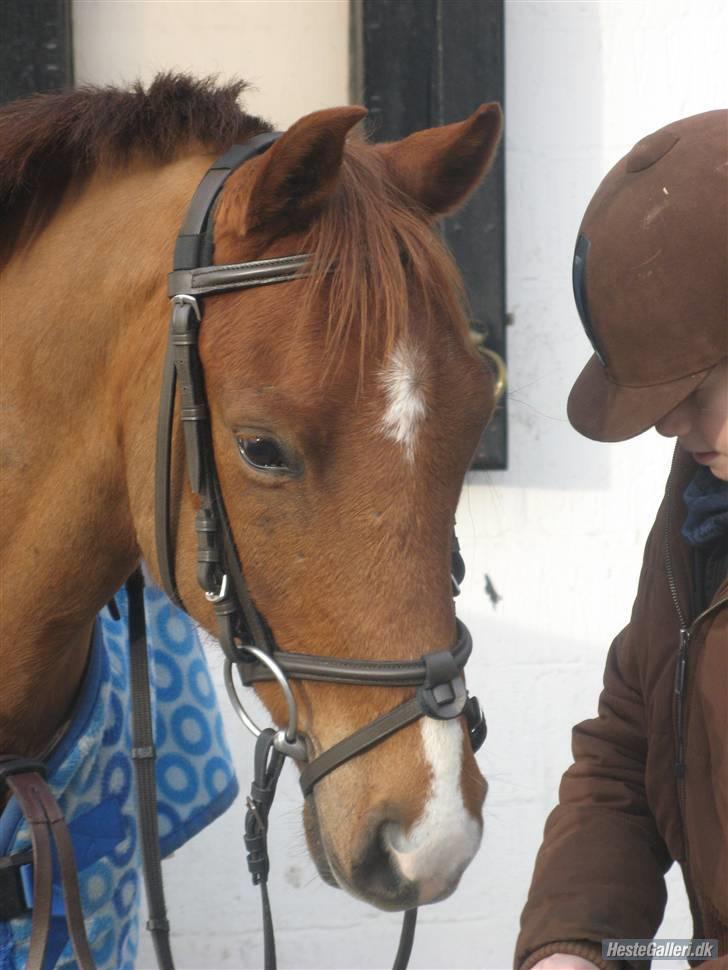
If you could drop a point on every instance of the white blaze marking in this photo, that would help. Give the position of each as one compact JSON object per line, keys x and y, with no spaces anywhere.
{"x":447,"y":836}
{"x":406,"y":406}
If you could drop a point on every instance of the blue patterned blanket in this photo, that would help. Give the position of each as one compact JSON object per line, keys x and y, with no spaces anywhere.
{"x":91,"y":775}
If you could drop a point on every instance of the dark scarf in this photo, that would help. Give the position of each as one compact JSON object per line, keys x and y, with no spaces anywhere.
{"x":706,"y":499}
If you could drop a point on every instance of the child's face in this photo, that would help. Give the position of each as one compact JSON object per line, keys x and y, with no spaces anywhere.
{"x":700,"y":422}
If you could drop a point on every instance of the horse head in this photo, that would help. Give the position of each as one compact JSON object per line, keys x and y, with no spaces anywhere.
{"x":345,"y":408}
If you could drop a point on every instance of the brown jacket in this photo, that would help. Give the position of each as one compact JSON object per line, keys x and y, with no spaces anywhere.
{"x":627,"y":809}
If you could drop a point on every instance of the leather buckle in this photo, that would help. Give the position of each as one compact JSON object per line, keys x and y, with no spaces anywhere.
{"x":10,"y":765}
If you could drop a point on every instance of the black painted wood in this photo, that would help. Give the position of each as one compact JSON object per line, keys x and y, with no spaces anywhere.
{"x":35,"y":47}
{"x":420,"y":63}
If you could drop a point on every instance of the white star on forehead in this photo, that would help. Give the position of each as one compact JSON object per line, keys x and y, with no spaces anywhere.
{"x":403,"y":382}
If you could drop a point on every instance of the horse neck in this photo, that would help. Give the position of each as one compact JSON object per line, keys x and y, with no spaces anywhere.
{"x":84,"y":314}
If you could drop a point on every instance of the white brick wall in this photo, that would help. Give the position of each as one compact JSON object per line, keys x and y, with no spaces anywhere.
{"x":560,"y":533}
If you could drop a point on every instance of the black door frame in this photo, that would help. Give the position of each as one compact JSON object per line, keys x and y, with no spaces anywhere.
{"x":36,"y":47}
{"x":420,"y":63}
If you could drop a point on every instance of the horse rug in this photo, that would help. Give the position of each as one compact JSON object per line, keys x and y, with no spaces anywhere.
{"x":91,"y":774}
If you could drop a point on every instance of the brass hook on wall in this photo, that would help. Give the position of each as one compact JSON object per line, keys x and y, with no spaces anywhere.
{"x":495,"y":361}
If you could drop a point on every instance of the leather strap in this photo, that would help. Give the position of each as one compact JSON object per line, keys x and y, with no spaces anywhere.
{"x":193,"y":241}
{"x":144,"y":756}
{"x":69,"y":880}
{"x":45,"y":819}
{"x":192,"y":245}
{"x":205,"y":280}
{"x":359,"y":741}
{"x":340,"y":670}
{"x":163,"y":479}
{"x":24,"y":789}
{"x":268,"y":766}
{"x":255,"y":627}
{"x":406,"y":939}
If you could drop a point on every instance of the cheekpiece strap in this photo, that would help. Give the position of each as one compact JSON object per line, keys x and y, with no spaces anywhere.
{"x":193,"y":252}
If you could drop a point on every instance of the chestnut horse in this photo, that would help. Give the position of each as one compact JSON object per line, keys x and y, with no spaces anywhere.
{"x":357,"y":386}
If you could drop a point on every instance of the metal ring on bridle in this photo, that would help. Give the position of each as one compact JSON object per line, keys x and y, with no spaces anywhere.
{"x":292,"y":744}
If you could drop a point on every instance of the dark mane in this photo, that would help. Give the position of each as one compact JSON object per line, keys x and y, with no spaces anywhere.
{"x":370,"y":242}
{"x":49,"y":140}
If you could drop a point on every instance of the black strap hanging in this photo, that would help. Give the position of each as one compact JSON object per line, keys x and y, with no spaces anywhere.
{"x":144,"y":757}
{"x":268,"y":765}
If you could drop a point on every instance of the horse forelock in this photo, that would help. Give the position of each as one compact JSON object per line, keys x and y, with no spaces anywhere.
{"x":381,"y":277}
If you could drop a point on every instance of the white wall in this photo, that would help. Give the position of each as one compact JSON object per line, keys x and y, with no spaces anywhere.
{"x":294,"y":53}
{"x":560,"y":533}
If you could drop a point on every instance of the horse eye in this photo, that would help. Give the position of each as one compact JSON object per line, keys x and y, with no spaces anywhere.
{"x":263,"y":453}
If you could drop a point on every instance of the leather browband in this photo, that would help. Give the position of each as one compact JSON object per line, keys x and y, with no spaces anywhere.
{"x":236,"y":276}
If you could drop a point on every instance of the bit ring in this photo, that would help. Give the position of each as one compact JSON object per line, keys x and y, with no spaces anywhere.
{"x":287,"y":741}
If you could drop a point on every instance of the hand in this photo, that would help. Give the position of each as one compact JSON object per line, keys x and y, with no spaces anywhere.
{"x":564,"y":961}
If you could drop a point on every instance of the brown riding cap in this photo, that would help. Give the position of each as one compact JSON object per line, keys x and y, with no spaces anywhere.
{"x":651,"y":278}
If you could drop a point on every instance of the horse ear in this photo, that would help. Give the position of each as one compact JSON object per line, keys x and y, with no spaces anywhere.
{"x":440,"y":167}
{"x":301,"y":169}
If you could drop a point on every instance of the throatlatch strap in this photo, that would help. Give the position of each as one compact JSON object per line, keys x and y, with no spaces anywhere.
{"x":144,"y":757}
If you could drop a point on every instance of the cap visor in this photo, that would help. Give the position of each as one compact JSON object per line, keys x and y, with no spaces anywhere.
{"x":604,"y":411}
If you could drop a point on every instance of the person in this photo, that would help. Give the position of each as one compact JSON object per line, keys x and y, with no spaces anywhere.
{"x":649,"y":781}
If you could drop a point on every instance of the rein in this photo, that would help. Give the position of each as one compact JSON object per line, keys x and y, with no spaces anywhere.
{"x":250,"y":651}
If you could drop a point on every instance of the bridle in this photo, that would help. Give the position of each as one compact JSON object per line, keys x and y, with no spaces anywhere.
{"x":250,"y":650}
{"x":244,"y":635}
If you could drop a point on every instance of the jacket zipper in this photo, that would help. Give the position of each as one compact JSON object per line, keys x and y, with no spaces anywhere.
{"x":686,"y":633}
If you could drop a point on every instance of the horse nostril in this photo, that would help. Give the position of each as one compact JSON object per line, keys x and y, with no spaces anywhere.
{"x":374,"y":871}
